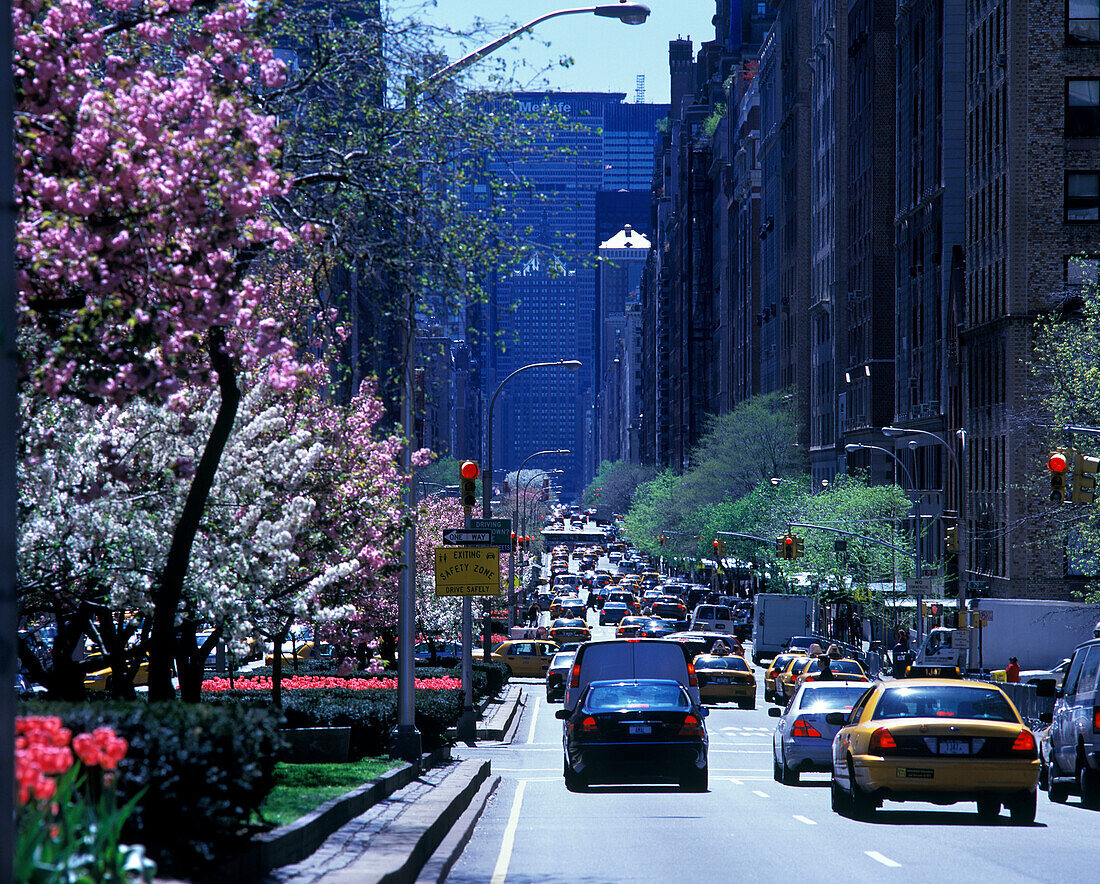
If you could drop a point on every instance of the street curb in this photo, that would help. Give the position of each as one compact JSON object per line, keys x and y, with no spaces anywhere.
{"x":402,"y":850}
{"x":498,"y":729}
{"x":298,"y":840}
{"x":439,"y":864}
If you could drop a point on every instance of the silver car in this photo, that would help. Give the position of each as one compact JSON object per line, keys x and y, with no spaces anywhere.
{"x":803,"y":741}
{"x":557,"y":675}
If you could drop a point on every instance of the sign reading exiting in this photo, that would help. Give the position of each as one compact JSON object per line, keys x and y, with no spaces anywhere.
{"x":470,"y":570}
{"x":458,"y":537}
{"x":500,"y":529}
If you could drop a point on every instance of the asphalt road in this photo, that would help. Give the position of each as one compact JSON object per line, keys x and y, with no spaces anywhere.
{"x":746,"y":828}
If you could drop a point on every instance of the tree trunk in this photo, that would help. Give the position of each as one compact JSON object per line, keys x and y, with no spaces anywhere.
{"x":169,"y":591}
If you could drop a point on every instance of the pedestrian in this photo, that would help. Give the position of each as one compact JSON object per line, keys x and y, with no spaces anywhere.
{"x":826,"y":671}
{"x":1012,"y":670}
{"x":900,"y":654}
{"x":533,"y":614}
{"x":857,"y":629}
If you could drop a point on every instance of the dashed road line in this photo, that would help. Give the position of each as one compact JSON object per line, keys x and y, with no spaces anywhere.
{"x":804,"y":819}
{"x":761,"y":794}
{"x":500,"y":871}
{"x":534,"y":719}
{"x":885,"y":860}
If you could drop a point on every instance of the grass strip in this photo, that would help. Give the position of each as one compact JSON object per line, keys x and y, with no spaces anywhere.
{"x":301,"y":788}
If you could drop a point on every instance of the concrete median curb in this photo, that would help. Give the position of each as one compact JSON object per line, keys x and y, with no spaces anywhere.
{"x":439,"y":865}
{"x":402,"y":850}
{"x":499,"y":715}
{"x":296,"y":841}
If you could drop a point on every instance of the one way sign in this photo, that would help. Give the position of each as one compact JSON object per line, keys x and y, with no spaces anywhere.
{"x":458,"y":537}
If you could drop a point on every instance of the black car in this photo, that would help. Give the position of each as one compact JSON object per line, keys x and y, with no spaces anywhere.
{"x":645,"y":730}
{"x":656,"y":627}
{"x":574,"y":608}
{"x":613,"y":612}
{"x":669,"y":609}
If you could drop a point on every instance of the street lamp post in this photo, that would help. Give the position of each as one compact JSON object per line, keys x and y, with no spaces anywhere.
{"x":487,"y":475}
{"x":515,"y":526}
{"x":408,"y":740}
{"x":960,"y":471}
{"x":856,"y":446}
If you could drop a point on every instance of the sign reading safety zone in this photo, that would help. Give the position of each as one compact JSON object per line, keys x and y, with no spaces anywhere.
{"x":470,"y":570}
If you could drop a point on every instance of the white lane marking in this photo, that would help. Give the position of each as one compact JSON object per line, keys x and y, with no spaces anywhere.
{"x":804,"y":819}
{"x":733,"y":780}
{"x":500,"y":871}
{"x":761,"y":794}
{"x":525,"y":770}
{"x":885,"y":860}
{"x":534,"y":719}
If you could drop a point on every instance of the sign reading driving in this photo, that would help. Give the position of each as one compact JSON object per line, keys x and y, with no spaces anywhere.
{"x":470,"y":570}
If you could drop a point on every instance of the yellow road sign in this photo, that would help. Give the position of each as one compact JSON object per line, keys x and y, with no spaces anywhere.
{"x":467,"y":570}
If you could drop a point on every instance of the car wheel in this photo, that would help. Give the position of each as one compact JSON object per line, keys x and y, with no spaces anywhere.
{"x":769,"y":696}
{"x":777,"y":770}
{"x":695,"y":780}
{"x":549,"y":696}
{"x":789,"y":776}
{"x":1022,"y":810}
{"x":863,"y":806}
{"x":1044,"y":774}
{"x":574,"y":782}
{"x":988,"y":809}
{"x":1088,"y":781}
{"x":1056,"y":791}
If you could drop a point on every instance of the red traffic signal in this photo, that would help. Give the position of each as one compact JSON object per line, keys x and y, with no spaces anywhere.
{"x":469,"y":470}
{"x":1057,"y":462}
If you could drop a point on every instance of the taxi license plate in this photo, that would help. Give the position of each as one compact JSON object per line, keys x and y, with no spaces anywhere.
{"x":954,"y":747}
{"x":721,"y":680}
{"x":638,"y":729}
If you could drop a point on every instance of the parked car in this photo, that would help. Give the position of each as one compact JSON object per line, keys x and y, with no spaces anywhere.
{"x":1074,"y":732}
{"x":639,"y":730}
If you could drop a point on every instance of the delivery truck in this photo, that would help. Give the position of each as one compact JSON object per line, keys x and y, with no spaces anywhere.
{"x":777,"y":617}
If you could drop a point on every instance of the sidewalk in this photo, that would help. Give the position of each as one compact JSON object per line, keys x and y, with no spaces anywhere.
{"x":391,"y":841}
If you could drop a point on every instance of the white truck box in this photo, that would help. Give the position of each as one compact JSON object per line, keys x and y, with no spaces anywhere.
{"x":776,"y":617}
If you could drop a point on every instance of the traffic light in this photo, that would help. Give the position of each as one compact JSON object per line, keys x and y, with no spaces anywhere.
{"x":514,"y":544}
{"x":661,"y":540}
{"x":546,"y":488}
{"x":784,"y":547}
{"x":933,"y":609}
{"x":1057,"y":463}
{"x":468,"y":474}
{"x":719,"y":548}
{"x":1084,"y":477}
{"x":952,"y":542}
{"x":798,"y":550}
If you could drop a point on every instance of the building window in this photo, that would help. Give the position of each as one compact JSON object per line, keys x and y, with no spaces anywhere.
{"x":1082,"y":108}
{"x":1082,"y":270}
{"x":1083,"y":21}
{"x":1083,"y":196}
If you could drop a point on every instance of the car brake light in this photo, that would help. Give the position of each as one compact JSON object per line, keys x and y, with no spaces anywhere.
{"x":1096,"y":720}
{"x":803,"y":728}
{"x":693,"y":680}
{"x":588,"y":725}
{"x":1024,"y":744}
{"x":575,"y":676}
{"x":881,"y":740}
{"x":691,"y":727}
{"x":806,"y":678}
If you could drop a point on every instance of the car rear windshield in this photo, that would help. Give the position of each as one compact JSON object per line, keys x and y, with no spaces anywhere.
{"x":737,"y":664}
{"x":830,"y":699}
{"x":849,"y":666}
{"x":934,"y":701}
{"x":562,"y":624}
{"x":562,"y":661}
{"x":607,"y":698}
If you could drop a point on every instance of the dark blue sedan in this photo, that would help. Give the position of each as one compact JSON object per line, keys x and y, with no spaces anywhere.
{"x":613,"y":612}
{"x":645,"y":730}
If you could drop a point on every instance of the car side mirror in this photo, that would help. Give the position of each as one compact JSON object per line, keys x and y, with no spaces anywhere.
{"x":1046,"y":687}
{"x":703,"y":712}
{"x":1046,"y":717}
{"x":775,"y":712}
{"x":837,"y":719}
{"x":563,"y":714}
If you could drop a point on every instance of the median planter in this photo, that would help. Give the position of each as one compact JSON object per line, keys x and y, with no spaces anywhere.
{"x":315,"y":745}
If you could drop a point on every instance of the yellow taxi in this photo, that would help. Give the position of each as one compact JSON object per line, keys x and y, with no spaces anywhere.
{"x":569,"y":629}
{"x":307,"y":650}
{"x":526,"y":658}
{"x":842,"y":670}
{"x":726,"y":677}
{"x":937,"y":740}
{"x":772,"y":673}
{"x":100,"y":679}
{"x":787,"y":682}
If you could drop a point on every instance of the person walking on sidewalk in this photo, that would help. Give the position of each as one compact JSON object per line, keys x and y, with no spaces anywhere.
{"x":1012,"y":670}
{"x":533,"y":614}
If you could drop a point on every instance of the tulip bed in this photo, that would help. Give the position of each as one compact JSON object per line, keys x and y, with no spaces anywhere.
{"x":315,"y":682}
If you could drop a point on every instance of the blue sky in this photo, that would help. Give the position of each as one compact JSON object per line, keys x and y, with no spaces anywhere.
{"x":607,"y":54}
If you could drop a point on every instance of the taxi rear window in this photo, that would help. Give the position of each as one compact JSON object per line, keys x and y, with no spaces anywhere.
{"x":735,"y":663}
{"x":605,"y":698}
{"x":934,"y":701}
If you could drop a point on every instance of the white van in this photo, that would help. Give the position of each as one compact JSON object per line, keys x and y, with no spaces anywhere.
{"x":712,"y":618}
{"x":629,"y":659}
